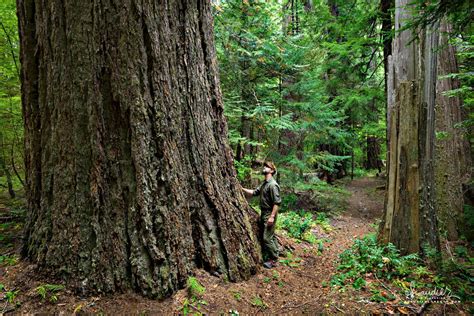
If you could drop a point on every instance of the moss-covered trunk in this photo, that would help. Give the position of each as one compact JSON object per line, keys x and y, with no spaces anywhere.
{"x":129,"y":175}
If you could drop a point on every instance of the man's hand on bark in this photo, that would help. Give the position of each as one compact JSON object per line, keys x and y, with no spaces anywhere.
{"x":271,"y":221}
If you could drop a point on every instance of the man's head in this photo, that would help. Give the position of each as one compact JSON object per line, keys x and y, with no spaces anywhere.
{"x":269,"y":167}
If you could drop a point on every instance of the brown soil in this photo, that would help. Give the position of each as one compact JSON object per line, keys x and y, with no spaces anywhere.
{"x":298,"y":289}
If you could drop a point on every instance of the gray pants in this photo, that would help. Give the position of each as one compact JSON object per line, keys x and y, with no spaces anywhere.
{"x":268,"y":238}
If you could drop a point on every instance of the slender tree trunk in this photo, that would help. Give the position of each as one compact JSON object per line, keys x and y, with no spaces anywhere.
{"x":129,"y":176}
{"x":247,"y":88}
{"x":385,"y":11}
{"x":452,"y":162}
{"x":373,"y":153}
{"x":410,"y":218}
{"x":12,"y":154}
{"x":7,"y":173}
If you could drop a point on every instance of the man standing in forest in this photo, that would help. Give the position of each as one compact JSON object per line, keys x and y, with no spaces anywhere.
{"x":269,"y":192}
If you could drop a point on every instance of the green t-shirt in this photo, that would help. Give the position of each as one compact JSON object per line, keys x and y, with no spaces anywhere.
{"x":269,"y":192}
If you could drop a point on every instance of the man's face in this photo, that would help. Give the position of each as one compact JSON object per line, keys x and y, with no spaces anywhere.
{"x":266,"y":170}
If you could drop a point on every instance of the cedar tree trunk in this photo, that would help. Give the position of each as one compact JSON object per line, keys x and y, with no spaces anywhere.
{"x":409,"y":220}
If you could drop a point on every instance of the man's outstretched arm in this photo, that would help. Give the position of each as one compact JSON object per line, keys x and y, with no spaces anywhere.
{"x":248,"y":192}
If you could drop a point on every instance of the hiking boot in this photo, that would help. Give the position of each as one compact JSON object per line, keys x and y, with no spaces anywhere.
{"x":268,"y":264}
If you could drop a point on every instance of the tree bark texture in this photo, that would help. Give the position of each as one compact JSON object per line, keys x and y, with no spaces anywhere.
{"x":452,"y":162}
{"x":373,"y":154}
{"x":409,"y":221}
{"x":130,"y":178}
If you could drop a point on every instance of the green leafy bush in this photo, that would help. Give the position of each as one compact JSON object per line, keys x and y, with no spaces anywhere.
{"x":288,"y":201}
{"x":296,"y":224}
{"x":195,"y":289}
{"x":194,"y":300}
{"x":367,"y":256}
{"x":49,"y":291}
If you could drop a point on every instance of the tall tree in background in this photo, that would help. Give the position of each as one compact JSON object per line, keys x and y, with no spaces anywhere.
{"x":452,"y":155}
{"x":410,"y":212}
{"x":129,"y":176}
{"x":386,"y":7}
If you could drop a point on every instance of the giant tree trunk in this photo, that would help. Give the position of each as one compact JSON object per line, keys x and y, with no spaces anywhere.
{"x":452,"y":163}
{"x":129,"y":176}
{"x":410,"y":218}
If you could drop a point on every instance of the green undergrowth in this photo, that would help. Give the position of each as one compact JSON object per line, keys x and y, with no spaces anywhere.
{"x":194,"y":302}
{"x":290,"y":260}
{"x":298,"y":224}
{"x":387,"y":275}
{"x":315,"y":195}
{"x":9,"y":296}
{"x":258,"y":302}
{"x":361,"y":172}
{"x":49,"y":292}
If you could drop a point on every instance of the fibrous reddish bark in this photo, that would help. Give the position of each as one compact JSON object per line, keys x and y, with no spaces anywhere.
{"x":452,"y":163}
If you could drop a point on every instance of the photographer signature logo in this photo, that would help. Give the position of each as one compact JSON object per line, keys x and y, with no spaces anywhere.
{"x":437,"y":295}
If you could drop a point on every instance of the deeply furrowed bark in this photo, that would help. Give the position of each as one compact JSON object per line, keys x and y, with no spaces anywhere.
{"x":129,"y":176}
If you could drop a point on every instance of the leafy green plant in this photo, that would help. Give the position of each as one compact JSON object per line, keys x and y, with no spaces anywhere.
{"x":377,"y":296}
{"x":237,"y":295}
{"x":291,"y":261}
{"x":195,"y":289}
{"x":366,"y":256}
{"x":49,"y":291}
{"x":8,"y":260}
{"x":288,"y":201}
{"x":323,"y":221}
{"x":243,"y":168}
{"x":275,"y":275}
{"x":10,"y":296}
{"x":194,"y":300}
{"x":185,"y":307}
{"x":405,"y":273}
{"x":258,"y":302}
{"x":296,"y":224}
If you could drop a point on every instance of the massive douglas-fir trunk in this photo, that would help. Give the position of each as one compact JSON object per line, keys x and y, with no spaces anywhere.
{"x":129,"y":176}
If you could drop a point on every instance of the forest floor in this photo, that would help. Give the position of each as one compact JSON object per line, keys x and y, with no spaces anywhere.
{"x":298,"y":285}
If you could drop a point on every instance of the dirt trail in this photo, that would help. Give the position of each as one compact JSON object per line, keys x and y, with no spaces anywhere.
{"x":288,"y":289}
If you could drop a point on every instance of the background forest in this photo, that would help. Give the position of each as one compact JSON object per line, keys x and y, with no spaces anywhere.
{"x":304,"y":84}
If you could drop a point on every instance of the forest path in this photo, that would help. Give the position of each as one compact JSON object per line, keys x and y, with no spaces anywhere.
{"x":299,"y":285}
